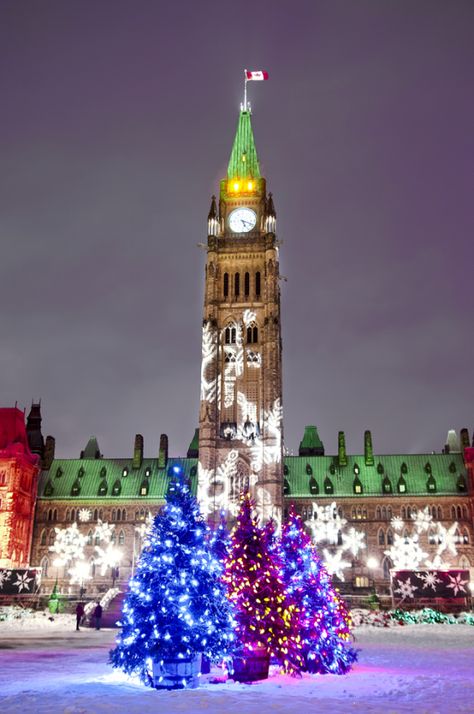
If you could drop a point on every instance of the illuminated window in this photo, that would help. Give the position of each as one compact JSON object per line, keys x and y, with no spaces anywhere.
{"x":144,"y":487}
{"x":361,"y":581}
{"x":102,"y":488}
{"x":116,"y":488}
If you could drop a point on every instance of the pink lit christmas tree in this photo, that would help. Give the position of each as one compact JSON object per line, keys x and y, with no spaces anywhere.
{"x":266,"y":615}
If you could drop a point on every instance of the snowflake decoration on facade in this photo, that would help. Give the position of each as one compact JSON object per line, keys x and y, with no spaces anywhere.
{"x":457,"y":584}
{"x":422,"y":520}
{"x":248,"y":317}
{"x":397,"y":523}
{"x":335,"y":563}
{"x":327,"y":528}
{"x":406,"y":552}
{"x":430,"y":580}
{"x":104,"y":531}
{"x":353,"y":540}
{"x":406,"y":588}
{"x":80,"y":572}
{"x":4,"y":577}
{"x":22,"y":582}
{"x":108,"y":557}
{"x":209,"y":354}
{"x":326,"y":523}
{"x":85,"y":514}
{"x":447,"y":538}
{"x":68,"y":545}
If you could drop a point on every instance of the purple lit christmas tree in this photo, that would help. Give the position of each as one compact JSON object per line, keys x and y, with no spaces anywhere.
{"x":324,"y":620}
{"x":267,"y":617}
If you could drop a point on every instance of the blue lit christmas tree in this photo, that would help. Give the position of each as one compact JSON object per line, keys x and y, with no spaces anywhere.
{"x":324,"y":619}
{"x":176,"y":606}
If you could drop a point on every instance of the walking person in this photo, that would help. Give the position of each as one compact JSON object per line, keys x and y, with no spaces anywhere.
{"x":79,"y":614}
{"x":98,"y":615}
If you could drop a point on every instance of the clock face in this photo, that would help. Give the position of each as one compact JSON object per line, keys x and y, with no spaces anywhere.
{"x":242,"y":220}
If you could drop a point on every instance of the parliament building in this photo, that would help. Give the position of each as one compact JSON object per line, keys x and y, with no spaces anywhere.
{"x":238,"y":445}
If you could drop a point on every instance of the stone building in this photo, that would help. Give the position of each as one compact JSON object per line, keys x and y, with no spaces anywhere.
{"x":239,"y":443}
{"x":19,"y":472}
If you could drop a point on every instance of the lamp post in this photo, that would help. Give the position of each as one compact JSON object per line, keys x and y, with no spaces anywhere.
{"x":372,"y":565}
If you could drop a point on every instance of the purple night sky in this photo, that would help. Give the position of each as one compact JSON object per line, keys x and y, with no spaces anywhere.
{"x":116,"y":125}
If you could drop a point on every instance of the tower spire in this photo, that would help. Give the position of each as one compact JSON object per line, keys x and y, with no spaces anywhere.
{"x":243,"y":163}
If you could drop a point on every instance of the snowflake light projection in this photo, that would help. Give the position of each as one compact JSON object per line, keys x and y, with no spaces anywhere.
{"x":335,"y":563}
{"x":327,"y":528}
{"x":85,"y":515}
{"x":414,"y":549}
{"x":406,"y":553}
{"x":80,"y":572}
{"x":68,"y":545}
{"x":209,"y":354}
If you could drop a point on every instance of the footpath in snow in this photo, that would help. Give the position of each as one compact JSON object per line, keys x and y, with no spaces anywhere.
{"x":415,"y":668}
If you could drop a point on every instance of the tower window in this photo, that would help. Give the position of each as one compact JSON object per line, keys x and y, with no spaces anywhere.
{"x":257,"y":284}
{"x":230,"y":336}
{"x":237,"y":284}
{"x":226,"y":284}
{"x":247,"y":284}
{"x":252,"y":333}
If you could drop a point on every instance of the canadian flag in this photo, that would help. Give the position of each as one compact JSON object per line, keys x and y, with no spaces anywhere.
{"x":259,"y":75}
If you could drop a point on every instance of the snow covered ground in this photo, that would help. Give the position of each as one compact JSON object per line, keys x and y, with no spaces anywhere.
{"x":416,"y":668}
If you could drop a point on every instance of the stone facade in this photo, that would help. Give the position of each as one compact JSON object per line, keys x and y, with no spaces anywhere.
{"x":239,"y":445}
{"x":19,"y":470}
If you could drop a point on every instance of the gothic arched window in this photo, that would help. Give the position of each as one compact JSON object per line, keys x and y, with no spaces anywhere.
{"x":257,"y":284}
{"x":237,"y":284}
{"x":226,"y":284}
{"x":252,"y":333}
{"x":247,"y":284}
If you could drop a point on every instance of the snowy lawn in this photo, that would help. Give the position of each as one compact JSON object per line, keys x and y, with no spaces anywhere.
{"x":416,"y":668}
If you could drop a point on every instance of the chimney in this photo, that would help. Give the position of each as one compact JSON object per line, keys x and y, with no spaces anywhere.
{"x":163,"y":454}
{"x":49,"y":449}
{"x":341,"y":449}
{"x":452,"y":443}
{"x":368,"y":450}
{"x":465,"y":444}
{"x":137,"y":452}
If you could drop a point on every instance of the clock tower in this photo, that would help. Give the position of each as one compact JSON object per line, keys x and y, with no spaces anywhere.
{"x":240,"y":421}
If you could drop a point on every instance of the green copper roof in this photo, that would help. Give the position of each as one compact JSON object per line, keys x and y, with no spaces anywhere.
{"x":311,"y":441}
{"x":321,"y":477}
{"x":111,"y":479}
{"x":243,"y":159}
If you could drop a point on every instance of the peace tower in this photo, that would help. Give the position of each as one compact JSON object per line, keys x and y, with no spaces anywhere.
{"x":240,"y":420}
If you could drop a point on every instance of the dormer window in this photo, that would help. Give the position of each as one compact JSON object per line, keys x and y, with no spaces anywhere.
{"x":148,"y":471}
{"x":356,"y":469}
{"x":357,"y":485}
{"x":125,"y":472}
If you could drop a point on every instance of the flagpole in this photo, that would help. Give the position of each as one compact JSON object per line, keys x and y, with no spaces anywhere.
{"x":245,"y":90}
